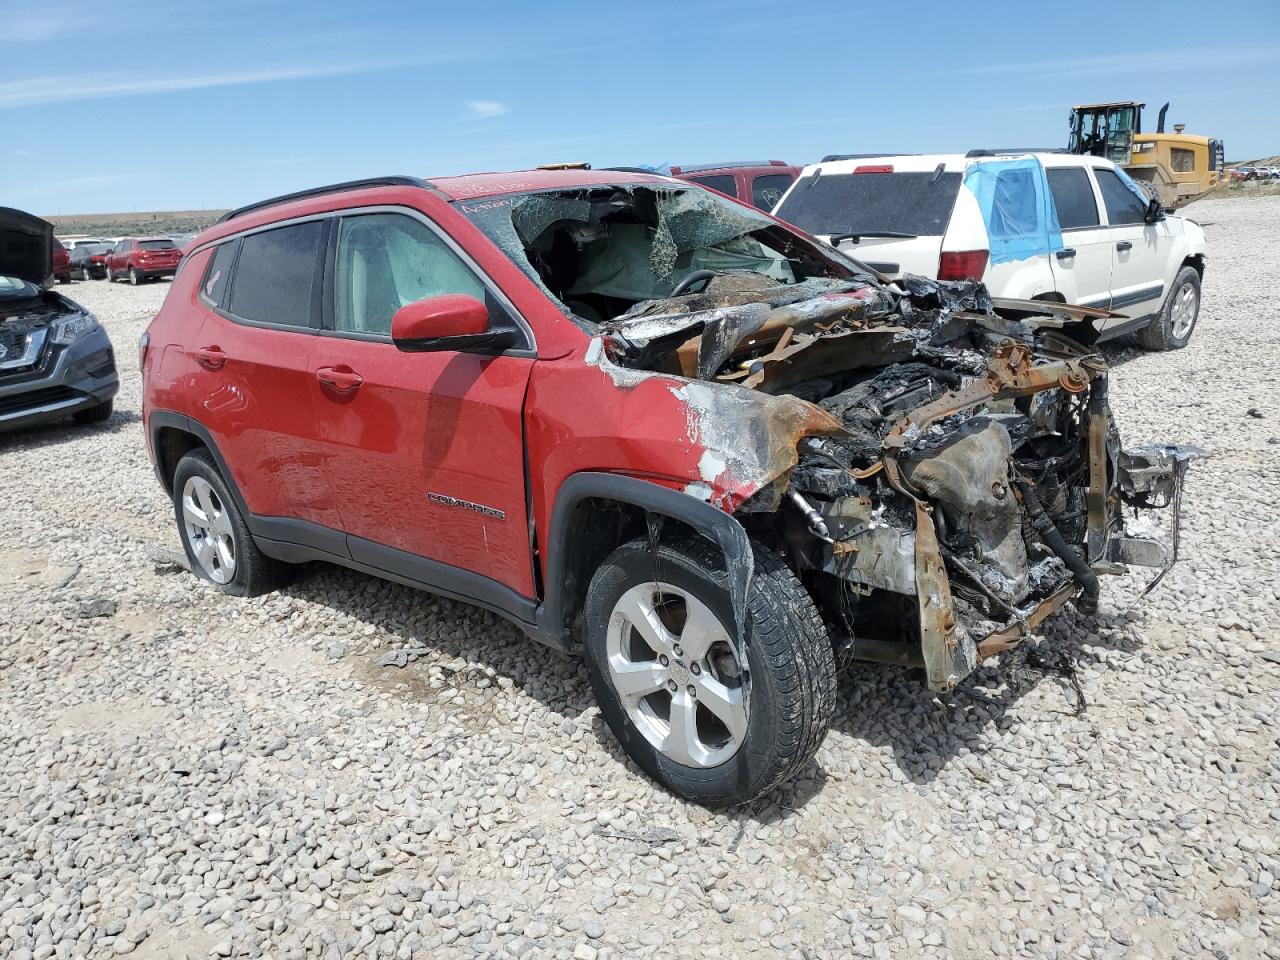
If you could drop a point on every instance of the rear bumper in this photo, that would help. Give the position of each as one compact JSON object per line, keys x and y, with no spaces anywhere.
{"x":82,"y":375}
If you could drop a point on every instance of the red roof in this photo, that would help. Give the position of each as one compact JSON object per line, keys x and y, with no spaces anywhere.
{"x":472,"y":185}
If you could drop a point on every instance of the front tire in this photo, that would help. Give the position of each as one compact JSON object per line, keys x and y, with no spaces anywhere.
{"x":99,"y":414}
{"x":660,"y":652}
{"x":213,"y":533}
{"x":1176,"y":321}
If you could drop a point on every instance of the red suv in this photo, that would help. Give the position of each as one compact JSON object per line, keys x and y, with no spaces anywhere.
{"x":760,"y":183}
{"x":647,"y":423}
{"x":143,"y":258}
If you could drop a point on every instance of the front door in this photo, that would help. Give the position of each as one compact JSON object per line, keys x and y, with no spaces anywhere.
{"x":1082,"y":268}
{"x":1138,"y":249}
{"x":424,"y":450}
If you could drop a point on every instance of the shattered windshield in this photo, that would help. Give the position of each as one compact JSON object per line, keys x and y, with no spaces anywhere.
{"x":600,"y":250}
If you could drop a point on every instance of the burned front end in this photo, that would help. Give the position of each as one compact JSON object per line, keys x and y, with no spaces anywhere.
{"x":940,"y":469}
{"x":966,"y":480}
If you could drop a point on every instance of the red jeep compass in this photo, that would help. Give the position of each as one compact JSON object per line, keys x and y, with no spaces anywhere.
{"x":143,"y":258}
{"x":647,"y":423}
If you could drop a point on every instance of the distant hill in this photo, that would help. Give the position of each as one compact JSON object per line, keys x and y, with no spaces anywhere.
{"x":126,"y":224}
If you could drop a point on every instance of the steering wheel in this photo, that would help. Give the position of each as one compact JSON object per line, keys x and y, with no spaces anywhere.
{"x":698,"y":276}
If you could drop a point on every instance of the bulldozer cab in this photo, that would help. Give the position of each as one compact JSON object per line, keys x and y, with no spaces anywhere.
{"x":1105,"y":130}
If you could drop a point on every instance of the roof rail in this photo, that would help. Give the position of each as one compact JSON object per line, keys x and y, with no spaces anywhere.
{"x":1007,"y":151}
{"x":833,"y":157}
{"x":321,"y":191}
{"x":700,"y":167}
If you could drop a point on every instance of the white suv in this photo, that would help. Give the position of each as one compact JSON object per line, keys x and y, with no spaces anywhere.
{"x":1030,"y":225}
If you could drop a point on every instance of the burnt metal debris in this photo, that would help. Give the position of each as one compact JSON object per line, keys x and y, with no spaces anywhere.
{"x":972,"y":465}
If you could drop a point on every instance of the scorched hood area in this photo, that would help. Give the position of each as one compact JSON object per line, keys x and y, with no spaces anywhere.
{"x":941,"y":469}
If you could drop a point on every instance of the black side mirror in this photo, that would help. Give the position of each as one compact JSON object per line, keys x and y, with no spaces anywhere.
{"x":1155,"y":212}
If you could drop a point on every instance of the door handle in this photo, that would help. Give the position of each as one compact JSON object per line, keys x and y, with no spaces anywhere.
{"x":1124,"y":245}
{"x":1066,"y":254}
{"x":211,"y":357}
{"x":341,"y":379}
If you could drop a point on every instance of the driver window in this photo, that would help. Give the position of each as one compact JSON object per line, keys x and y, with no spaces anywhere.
{"x":387,"y":260}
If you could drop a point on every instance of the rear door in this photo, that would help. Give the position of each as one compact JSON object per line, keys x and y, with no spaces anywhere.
{"x":253,"y":383}
{"x":1082,"y":269}
{"x":897,"y":215}
{"x":1139,"y":250}
{"x":424,"y":450}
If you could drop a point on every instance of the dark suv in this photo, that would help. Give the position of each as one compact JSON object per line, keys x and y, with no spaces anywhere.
{"x":647,"y":423}
{"x":55,"y":359}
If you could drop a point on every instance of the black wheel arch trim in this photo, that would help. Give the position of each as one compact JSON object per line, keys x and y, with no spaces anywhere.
{"x":719,"y":527}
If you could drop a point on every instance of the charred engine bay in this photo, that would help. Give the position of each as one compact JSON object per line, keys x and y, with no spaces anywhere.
{"x":875,"y":356}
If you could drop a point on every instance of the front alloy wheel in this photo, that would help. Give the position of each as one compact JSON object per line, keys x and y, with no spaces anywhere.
{"x":672,"y":662}
{"x":714,"y":719}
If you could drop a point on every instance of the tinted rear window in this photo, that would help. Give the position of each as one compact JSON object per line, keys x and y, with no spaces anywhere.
{"x":768,"y":189}
{"x":1073,"y":196}
{"x":722,"y":182}
{"x":156,"y":245}
{"x":916,"y":203}
{"x":275,"y":275}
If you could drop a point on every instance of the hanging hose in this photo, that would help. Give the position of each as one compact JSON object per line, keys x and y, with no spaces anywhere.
{"x":1052,"y":538}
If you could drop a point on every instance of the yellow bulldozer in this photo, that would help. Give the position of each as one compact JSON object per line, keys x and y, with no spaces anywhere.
{"x":1176,"y":167}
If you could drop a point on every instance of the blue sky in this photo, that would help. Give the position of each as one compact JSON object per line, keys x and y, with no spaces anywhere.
{"x":182,"y":104}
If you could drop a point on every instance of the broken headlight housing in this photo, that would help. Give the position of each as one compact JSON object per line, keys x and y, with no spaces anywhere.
{"x":72,"y":328}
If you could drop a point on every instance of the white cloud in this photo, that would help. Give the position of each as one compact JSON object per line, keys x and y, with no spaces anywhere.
{"x":485,"y":109}
{"x":68,"y":87}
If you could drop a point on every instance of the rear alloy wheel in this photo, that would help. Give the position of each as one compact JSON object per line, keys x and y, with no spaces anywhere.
{"x":217,"y":542}
{"x":1176,"y":321}
{"x":135,"y":277}
{"x":671,"y":683}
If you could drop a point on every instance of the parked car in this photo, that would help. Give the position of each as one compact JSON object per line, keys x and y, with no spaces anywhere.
{"x":760,"y":183}
{"x":89,"y":260}
{"x":55,"y":359}
{"x":1029,"y":225}
{"x":143,"y":258}
{"x":61,"y":268}
{"x":644,"y":422}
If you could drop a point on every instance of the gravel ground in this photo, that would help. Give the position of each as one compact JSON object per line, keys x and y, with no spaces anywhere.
{"x":187,"y":774}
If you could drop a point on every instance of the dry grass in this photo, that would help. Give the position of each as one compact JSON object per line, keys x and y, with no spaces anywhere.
{"x":126,"y":224}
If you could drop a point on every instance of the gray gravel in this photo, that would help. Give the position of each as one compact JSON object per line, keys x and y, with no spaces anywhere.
{"x":186,"y":774}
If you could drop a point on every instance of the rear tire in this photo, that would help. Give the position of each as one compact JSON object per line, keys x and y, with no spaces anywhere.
{"x":214,"y":536}
{"x":99,"y":414}
{"x":676,"y":719}
{"x":135,"y":277}
{"x":1176,"y":321}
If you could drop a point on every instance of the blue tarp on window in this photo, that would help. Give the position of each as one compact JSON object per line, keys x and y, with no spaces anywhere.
{"x":1013,"y":196}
